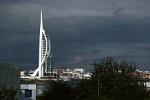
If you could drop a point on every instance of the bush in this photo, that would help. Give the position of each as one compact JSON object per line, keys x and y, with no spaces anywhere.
{"x":7,"y":94}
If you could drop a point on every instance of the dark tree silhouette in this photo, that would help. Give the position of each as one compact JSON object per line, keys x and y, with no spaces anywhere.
{"x":114,"y":80}
{"x":111,"y":80}
{"x":7,"y":94}
{"x":117,"y":80}
{"x":59,"y":91}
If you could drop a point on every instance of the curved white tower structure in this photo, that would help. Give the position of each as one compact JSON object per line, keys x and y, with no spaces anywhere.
{"x":44,"y":53}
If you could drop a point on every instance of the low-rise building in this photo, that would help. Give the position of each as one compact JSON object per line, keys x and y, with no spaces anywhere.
{"x":10,"y":76}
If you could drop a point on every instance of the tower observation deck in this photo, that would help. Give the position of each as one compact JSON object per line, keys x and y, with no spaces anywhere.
{"x":44,"y":53}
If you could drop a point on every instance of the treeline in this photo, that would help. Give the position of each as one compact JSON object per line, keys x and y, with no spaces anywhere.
{"x":111,"y":80}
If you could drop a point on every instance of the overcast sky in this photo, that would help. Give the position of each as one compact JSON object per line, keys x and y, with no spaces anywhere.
{"x":81,"y":31}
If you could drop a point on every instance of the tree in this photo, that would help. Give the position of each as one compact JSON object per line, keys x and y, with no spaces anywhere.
{"x":59,"y":91}
{"x":111,"y":80}
{"x":117,"y":80}
{"x":84,"y":89}
{"x":7,"y":94}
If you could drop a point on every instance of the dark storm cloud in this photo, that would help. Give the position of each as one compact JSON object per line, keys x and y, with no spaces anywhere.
{"x":96,"y":30}
{"x":116,"y":12}
{"x":81,"y":31}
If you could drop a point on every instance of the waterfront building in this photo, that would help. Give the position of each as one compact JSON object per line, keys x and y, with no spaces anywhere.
{"x":68,"y":73}
{"x":78,"y":73}
{"x":62,"y":73}
{"x":23,"y":73}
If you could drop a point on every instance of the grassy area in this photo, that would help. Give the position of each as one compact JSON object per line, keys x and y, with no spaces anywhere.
{"x":39,"y":98}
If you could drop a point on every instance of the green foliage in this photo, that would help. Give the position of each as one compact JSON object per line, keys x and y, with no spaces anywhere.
{"x":84,"y":89}
{"x":7,"y":94}
{"x":39,"y":97}
{"x":87,"y":90}
{"x":115,"y":81}
{"x":59,"y":91}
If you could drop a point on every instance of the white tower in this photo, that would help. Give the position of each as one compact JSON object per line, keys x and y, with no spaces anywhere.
{"x":44,"y":53}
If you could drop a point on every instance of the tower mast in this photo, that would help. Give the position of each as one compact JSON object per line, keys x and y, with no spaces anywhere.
{"x":44,"y":65}
{"x":40,"y":45}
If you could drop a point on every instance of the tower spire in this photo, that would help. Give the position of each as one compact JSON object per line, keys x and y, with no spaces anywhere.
{"x":41,"y":24}
{"x":44,"y":53}
{"x":40,"y":45}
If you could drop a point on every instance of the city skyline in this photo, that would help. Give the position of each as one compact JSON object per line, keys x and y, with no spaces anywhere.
{"x":81,"y":32}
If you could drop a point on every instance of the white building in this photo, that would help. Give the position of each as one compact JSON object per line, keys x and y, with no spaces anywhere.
{"x":23,"y":73}
{"x":28,"y":91}
{"x":78,"y":73}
